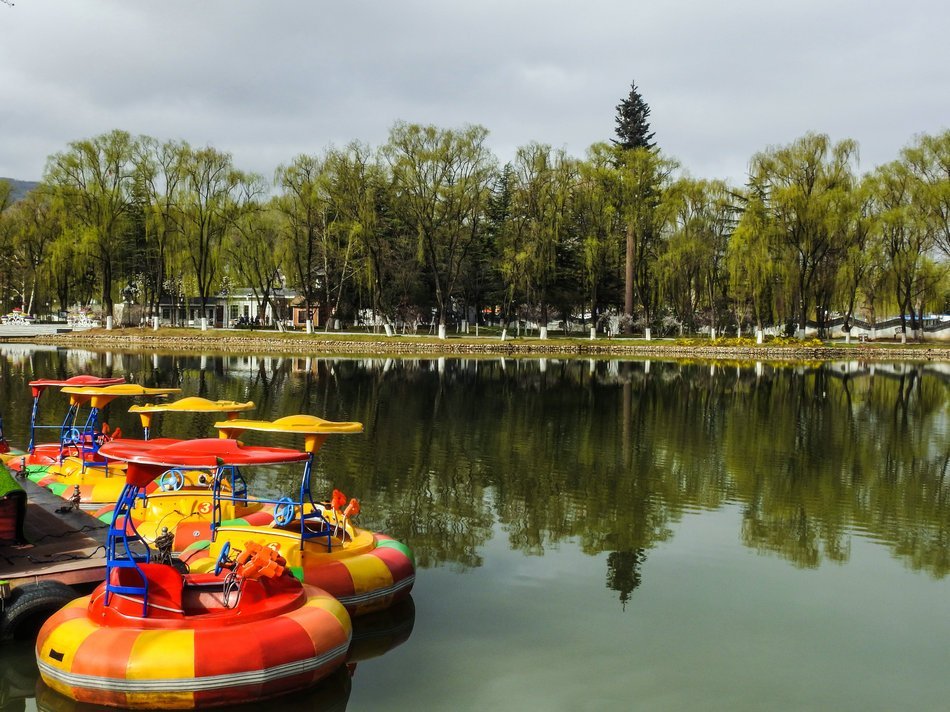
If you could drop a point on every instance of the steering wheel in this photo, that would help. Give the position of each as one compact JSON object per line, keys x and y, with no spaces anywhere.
{"x":172,"y":480}
{"x":73,"y":436}
{"x":284,"y":511}
{"x":222,"y":558}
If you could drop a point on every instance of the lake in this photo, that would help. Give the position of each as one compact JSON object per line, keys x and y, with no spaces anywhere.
{"x":598,"y":534}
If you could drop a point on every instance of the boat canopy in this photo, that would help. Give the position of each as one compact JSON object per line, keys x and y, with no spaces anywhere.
{"x":102,"y":396}
{"x":41,"y":384}
{"x":191,"y":404}
{"x":148,"y":458}
{"x":314,"y":429}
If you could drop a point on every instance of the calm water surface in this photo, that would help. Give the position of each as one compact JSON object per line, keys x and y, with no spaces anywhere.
{"x":604,"y":534}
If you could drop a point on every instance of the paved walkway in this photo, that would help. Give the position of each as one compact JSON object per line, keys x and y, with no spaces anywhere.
{"x":26,"y":330}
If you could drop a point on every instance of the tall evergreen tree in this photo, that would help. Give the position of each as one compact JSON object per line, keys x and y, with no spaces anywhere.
{"x":633,"y":133}
{"x":633,"y":127}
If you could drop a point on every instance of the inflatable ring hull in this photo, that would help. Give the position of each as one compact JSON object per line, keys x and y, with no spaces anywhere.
{"x":141,"y":667}
{"x":380,"y":574}
{"x":95,"y":488}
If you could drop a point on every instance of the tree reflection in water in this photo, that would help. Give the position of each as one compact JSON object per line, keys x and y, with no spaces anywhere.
{"x":610,"y":454}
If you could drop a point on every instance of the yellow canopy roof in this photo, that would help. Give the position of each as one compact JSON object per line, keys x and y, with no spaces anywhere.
{"x":315,"y":429}
{"x":191,"y":404}
{"x":103,"y":395}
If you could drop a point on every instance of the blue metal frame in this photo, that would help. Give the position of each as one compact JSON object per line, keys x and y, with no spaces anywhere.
{"x":119,"y":554}
{"x":315,"y":514}
{"x":239,"y":494}
{"x":68,"y":422}
{"x":90,"y":442}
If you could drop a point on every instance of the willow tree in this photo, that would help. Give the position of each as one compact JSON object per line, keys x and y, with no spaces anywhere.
{"x":807,"y":186}
{"x":904,"y":238}
{"x":6,"y":194}
{"x":644,"y":175}
{"x":861,"y":261}
{"x":37,"y":226}
{"x":596,"y":223}
{"x":441,"y":187}
{"x":65,"y":267}
{"x":541,"y":203}
{"x":303,"y":203}
{"x":93,"y":180}
{"x":679,"y":266}
{"x":207,"y":202}
{"x":159,"y":173}
{"x":7,"y":233}
{"x":749,"y":259}
{"x":700,"y":218}
{"x":499,"y":234}
{"x":928,"y":159}
{"x":351,"y":216}
{"x":254,"y":248}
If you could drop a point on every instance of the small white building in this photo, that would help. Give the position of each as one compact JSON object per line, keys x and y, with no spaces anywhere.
{"x":239,"y":306}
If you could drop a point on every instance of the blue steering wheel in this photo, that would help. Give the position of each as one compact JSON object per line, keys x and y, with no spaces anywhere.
{"x":73,"y":436}
{"x":284,"y":511}
{"x":222,"y":558}
{"x":172,"y":480}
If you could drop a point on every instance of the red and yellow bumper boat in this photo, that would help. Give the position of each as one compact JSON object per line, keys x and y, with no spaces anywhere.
{"x":150,"y":637}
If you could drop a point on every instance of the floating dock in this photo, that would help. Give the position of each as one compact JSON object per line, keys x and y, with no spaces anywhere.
{"x":68,"y":547}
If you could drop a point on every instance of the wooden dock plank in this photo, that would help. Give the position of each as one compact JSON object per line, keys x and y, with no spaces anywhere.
{"x":65,"y":546}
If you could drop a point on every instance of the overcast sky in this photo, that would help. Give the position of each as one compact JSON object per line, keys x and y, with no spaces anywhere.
{"x":270,"y":79}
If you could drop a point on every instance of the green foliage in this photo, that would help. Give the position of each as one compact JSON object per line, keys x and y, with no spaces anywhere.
{"x":441,"y":184}
{"x":746,"y":342}
{"x":428,"y":224}
{"x":93,"y":180}
{"x":807,"y":190}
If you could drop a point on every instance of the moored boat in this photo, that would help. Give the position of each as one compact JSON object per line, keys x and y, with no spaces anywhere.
{"x":48,"y":452}
{"x":150,"y":637}
{"x":365,"y":570}
{"x":81,"y":474}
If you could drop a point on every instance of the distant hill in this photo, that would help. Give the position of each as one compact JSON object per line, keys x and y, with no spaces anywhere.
{"x":21,"y":187}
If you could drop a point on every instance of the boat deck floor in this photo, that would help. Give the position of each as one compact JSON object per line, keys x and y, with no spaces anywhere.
{"x":64,"y":546}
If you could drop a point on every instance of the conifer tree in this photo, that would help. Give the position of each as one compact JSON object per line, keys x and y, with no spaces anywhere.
{"x":633,"y":134}
{"x":633,"y":127}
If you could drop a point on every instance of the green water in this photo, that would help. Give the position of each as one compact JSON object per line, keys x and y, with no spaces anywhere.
{"x":615,"y":535}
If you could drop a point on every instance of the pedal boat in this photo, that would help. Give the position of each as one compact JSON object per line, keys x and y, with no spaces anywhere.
{"x":99,"y":481}
{"x":150,"y":637}
{"x":78,"y":473}
{"x":180,"y":500}
{"x":366,"y":571}
{"x":46,"y":453}
{"x":185,"y":509}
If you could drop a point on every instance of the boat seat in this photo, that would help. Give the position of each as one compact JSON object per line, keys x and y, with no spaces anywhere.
{"x":164,"y":586}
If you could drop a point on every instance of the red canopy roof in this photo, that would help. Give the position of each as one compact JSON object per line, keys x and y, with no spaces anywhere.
{"x":148,"y":458}
{"x":39,"y":384}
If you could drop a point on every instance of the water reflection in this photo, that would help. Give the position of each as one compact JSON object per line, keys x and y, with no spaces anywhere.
{"x":608,"y":453}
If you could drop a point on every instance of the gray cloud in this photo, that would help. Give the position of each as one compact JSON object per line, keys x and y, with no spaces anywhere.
{"x":269,"y":80}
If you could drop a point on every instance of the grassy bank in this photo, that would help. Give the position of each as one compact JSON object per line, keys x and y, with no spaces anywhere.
{"x":270,"y":342}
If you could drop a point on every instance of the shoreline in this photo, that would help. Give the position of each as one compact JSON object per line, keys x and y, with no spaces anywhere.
{"x":220,"y":341}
